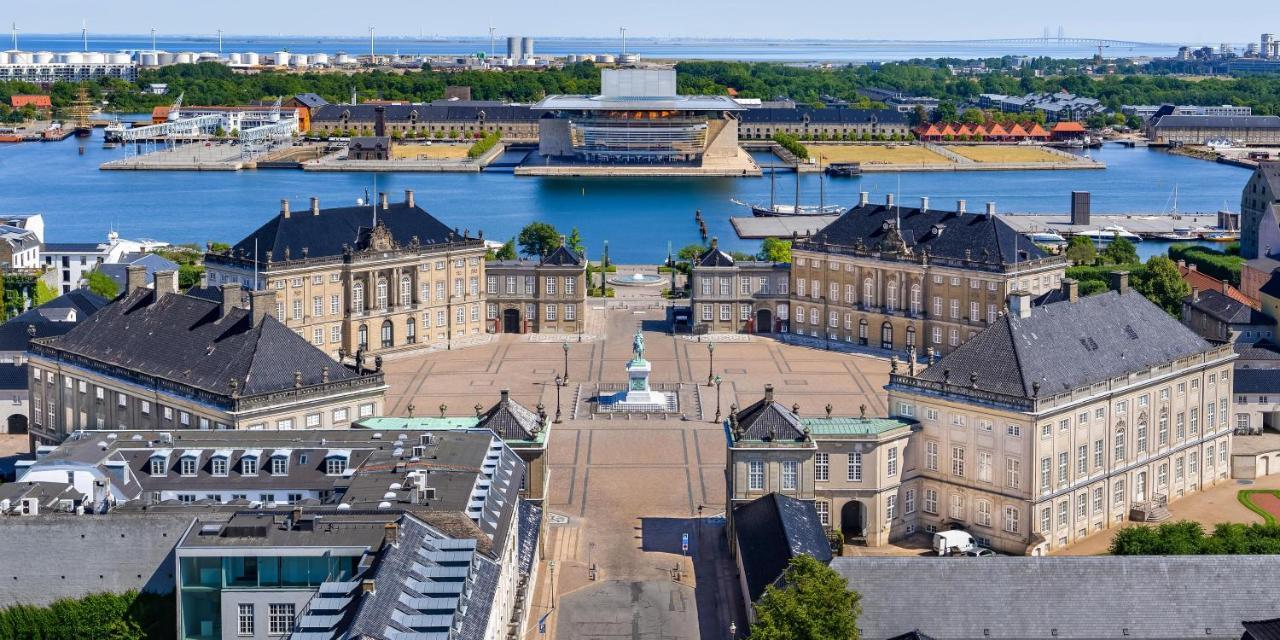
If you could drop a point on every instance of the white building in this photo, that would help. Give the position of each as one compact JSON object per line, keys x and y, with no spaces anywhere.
{"x":74,"y":260}
{"x":44,"y":67}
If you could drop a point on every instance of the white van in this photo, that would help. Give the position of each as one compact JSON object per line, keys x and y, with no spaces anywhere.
{"x":952,"y":542}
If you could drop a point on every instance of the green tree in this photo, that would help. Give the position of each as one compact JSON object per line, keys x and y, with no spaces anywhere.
{"x":690,"y":252}
{"x":507,"y":251}
{"x":101,"y":284}
{"x":973,"y":116}
{"x":814,"y":603}
{"x":575,"y":241}
{"x":775,"y":250}
{"x":1081,"y":250}
{"x":1160,"y":281}
{"x":538,"y":239}
{"x":43,"y":293}
{"x":1121,"y":251}
{"x":946,"y":111}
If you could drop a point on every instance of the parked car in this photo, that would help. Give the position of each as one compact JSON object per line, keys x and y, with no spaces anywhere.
{"x":946,"y":543}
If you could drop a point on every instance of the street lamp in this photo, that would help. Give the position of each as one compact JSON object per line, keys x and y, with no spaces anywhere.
{"x":565,"y":346}
{"x":717,"y":381}
{"x":711,"y":366}
{"x":559,"y":383}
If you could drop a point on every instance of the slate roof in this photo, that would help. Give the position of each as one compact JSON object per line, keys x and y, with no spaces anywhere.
{"x":797,"y":115}
{"x":1065,"y":345}
{"x":1270,"y":172}
{"x":1224,"y":308}
{"x":45,"y":318}
{"x":1256,"y":381}
{"x":772,"y":530}
{"x":19,"y":239}
{"x":1096,"y":597}
{"x":325,"y":234}
{"x":310,"y":100}
{"x":1260,"y":350}
{"x":1219,"y":122}
{"x":185,"y":339}
{"x":510,"y":420}
{"x":1261,"y":629}
{"x":73,"y":247}
{"x":562,"y":256}
{"x":766,"y":420}
{"x":1272,"y":286}
{"x":13,"y":377}
{"x":984,"y":239}
{"x":118,"y":271}
{"x":714,"y":257}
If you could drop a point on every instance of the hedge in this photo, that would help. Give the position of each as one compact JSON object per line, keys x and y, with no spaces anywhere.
{"x":99,"y":616}
{"x":1189,"y":538}
{"x":483,"y":145}
{"x":790,"y":143}
{"x":1211,"y":262}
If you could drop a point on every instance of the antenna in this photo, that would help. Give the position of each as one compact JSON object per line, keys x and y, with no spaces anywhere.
{"x":897,"y":206}
{"x":15,"y":36}
{"x":374,"y":205}
{"x":255,"y":264}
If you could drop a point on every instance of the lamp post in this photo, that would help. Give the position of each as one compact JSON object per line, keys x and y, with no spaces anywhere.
{"x":711,"y":365}
{"x":565,"y":346}
{"x":559,"y":384}
{"x":717,"y":381}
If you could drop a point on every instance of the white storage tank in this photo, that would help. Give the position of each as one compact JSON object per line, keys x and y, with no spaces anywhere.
{"x":251,"y":58}
{"x":604,"y":58}
{"x":71,"y":57}
{"x":281,"y":58}
{"x":149,"y":59}
{"x":4,"y":57}
{"x":93,"y":57}
{"x":186,"y":57}
{"x":165,"y":58}
{"x":119,"y":58}
{"x":298,"y":60}
{"x":320,"y":58}
{"x":207,"y":56}
{"x":235,"y":58}
{"x":19,"y":57}
{"x":43,"y":57}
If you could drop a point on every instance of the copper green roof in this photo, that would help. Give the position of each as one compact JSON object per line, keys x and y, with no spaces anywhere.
{"x":839,"y":426}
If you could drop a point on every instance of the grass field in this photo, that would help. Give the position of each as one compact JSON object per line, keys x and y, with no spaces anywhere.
{"x":429,"y":152}
{"x":875,"y":154}
{"x":1005,"y":154}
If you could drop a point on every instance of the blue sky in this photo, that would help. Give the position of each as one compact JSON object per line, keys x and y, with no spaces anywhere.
{"x":1191,"y":21}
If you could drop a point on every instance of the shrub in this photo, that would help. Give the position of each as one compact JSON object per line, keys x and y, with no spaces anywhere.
{"x":483,"y":145}
{"x":1209,"y":261}
{"x":791,"y":144}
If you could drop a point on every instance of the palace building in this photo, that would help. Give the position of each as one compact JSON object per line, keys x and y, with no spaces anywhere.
{"x":547,"y":295}
{"x":730,"y":296}
{"x":376,"y":278}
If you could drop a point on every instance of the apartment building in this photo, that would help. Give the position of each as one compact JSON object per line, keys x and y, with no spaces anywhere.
{"x":894,"y":277}
{"x":367,"y":279}
{"x":158,"y":359}
{"x":546,"y":295}
{"x":732,"y":296}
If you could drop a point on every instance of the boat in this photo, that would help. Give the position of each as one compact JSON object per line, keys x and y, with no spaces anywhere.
{"x":1221,"y":236}
{"x":777,"y":210}
{"x":113,"y":133}
{"x":80,"y":111}
{"x":1179,"y":234}
{"x":1108,"y":234}
{"x":844,"y":169}
{"x":1047,"y":238}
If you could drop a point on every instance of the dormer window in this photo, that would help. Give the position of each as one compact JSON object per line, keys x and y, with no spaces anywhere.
{"x":187,"y":465}
{"x":335,"y":466}
{"x":218,"y":465}
{"x":249,"y":466}
{"x":159,"y":466}
{"x":280,"y":465}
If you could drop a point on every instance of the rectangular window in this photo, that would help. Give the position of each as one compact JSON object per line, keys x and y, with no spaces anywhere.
{"x":340,"y":415}
{"x":983,"y":516}
{"x":931,"y":456}
{"x":1011,"y":519}
{"x":280,"y":618}
{"x":755,"y":475}
{"x":1012,"y":473}
{"x":1063,"y":468}
{"x":957,"y":507}
{"x":248,"y":466}
{"x":984,"y":466}
{"x":892,"y":463}
{"x":1064,"y":513}
{"x":789,"y":474}
{"x":821,"y":466}
{"x":957,"y":461}
{"x":854,"y":472}
{"x":909,"y":501}
{"x":824,"y":512}
{"x":931,"y":501}
{"x":279,"y":466}
{"x":890,"y":508}
{"x":1082,"y":460}
{"x":244,"y":619}
{"x":218,"y":466}
{"x":187,"y":466}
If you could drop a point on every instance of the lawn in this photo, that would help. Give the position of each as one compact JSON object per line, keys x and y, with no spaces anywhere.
{"x":1005,"y":153}
{"x":876,"y":154}
{"x":1264,"y":502}
{"x":429,"y":152}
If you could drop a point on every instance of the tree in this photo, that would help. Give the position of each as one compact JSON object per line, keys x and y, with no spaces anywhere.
{"x":946,"y":111}
{"x":775,"y":250}
{"x":814,"y":604}
{"x":973,"y":116}
{"x":575,"y":241}
{"x":507,"y":251}
{"x":1161,"y":282}
{"x":690,"y":252}
{"x":44,"y":293}
{"x":1121,"y":251}
{"x":919,"y":116}
{"x":102,"y":284}
{"x":1081,"y":250}
{"x":538,"y":239}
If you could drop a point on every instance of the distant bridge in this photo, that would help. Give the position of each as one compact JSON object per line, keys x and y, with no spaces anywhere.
{"x":1064,"y":42}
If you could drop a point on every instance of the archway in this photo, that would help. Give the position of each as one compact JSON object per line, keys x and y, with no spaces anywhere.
{"x":388,"y":334}
{"x":886,"y":336}
{"x":853,"y":520}
{"x":511,"y":321}
{"x":764,"y":321}
{"x":17,"y":423}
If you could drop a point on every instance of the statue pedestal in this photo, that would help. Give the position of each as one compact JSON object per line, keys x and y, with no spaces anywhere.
{"x":638,"y":396}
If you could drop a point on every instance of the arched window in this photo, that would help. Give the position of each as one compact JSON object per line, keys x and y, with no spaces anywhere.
{"x":357,"y":297}
{"x":362,"y":337}
{"x":862,"y":332}
{"x":893,"y":294}
{"x":911,"y":336}
{"x":410,"y":331}
{"x":1119,"y":443}
{"x":868,"y":293}
{"x":381,"y":294}
{"x":388,"y":334}
{"x":406,"y":291}
{"x":1142,"y":433}
{"x":915,"y":299}
{"x":886,"y":336}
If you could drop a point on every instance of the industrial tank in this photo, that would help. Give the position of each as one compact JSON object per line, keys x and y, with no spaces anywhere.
{"x":235,"y":58}
{"x":149,"y":59}
{"x":344,"y":58}
{"x":119,"y":58}
{"x":186,"y":57}
{"x":43,"y":57}
{"x":281,"y":58}
{"x":19,"y":57}
{"x":319,"y":58}
{"x":513,"y":46}
{"x":73,"y":57}
{"x":4,"y":57}
{"x":298,"y":60}
{"x":165,"y":58}
{"x":207,"y":56}
{"x":251,"y":58}
{"x":526,"y":47}
{"x":604,"y":59}
{"x":93,"y":57}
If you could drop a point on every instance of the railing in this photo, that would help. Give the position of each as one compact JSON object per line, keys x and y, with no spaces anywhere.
{"x":351,"y":256}
{"x":992,"y":265}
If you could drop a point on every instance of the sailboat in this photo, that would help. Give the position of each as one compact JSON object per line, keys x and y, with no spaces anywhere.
{"x":777,"y":209}
{"x":1222,"y":235}
{"x":1180,"y":233}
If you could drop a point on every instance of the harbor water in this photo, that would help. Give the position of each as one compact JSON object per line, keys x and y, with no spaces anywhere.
{"x":639,"y":217}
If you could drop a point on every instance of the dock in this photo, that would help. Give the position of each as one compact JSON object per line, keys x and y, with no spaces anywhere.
{"x":756,"y":228}
{"x":1143,"y":224}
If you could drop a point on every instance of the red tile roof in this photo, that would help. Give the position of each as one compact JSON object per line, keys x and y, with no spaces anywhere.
{"x":1205,"y":282}
{"x":1068,"y":127}
{"x":40,"y":102}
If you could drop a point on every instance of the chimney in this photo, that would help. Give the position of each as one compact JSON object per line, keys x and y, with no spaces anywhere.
{"x":408,"y":198}
{"x":262,"y":303}
{"x":315,"y":206}
{"x":1195,"y":294}
{"x":1080,"y":207}
{"x":230,"y":298}
{"x":1120,"y":281}
{"x":863,"y":198}
{"x":715,"y":242}
{"x":504,"y":395}
{"x":135,"y":278}
{"x":391,"y":533}
{"x":204,"y":279}
{"x":1020,"y":304}
{"x":924,"y":203}
{"x":991,"y":209}
{"x":960,"y":207}
{"x":768,"y":393}
{"x":1193,"y":267}
{"x":284,"y":207}
{"x":1226,"y":287}
{"x":379,"y":121}
{"x":1070,"y":289}
{"x":888,"y":199}
{"x":166,"y":282}
{"x":382,"y":201}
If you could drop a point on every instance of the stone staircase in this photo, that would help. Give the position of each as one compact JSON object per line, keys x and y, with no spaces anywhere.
{"x":1154,"y":510}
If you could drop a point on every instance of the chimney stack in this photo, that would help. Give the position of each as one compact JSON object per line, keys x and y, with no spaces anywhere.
{"x":166,"y":283}
{"x":262,"y":303}
{"x":230,"y":298}
{"x":863,"y":198}
{"x":1195,"y":294}
{"x":315,"y":206}
{"x":924,"y":203}
{"x":391,"y":533}
{"x":888,"y":199}
{"x":135,"y":278}
{"x":768,"y":393}
{"x":382,"y":201}
{"x":380,"y":121}
{"x":960,"y":207}
{"x":408,"y":198}
{"x":1070,"y":289}
{"x":504,"y":395}
{"x":715,"y":241}
{"x":1020,"y":304}
{"x":991,"y":209}
{"x":1120,"y":281}
{"x":284,"y":207}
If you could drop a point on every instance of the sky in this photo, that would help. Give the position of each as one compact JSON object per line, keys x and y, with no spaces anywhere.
{"x":1189,"y":21}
